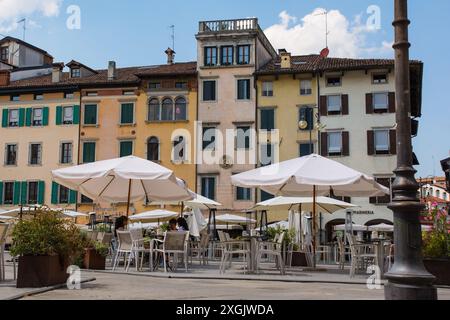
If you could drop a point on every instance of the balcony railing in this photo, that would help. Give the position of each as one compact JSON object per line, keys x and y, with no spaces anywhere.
{"x":228,"y":25}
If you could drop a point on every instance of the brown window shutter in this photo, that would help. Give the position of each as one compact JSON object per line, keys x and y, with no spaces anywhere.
{"x":392,"y":108}
{"x":369,"y":103}
{"x":323,"y":106}
{"x":393,"y":141}
{"x":345,"y":143}
{"x":345,"y":104}
{"x":370,"y":143}
{"x":324,"y":144}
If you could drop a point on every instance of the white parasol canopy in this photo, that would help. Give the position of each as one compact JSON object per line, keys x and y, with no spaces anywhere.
{"x":323,"y":204}
{"x":155,"y":215}
{"x":73,"y":214}
{"x":355,"y":227}
{"x":198,"y":201}
{"x":230,"y":218}
{"x":382,"y":228}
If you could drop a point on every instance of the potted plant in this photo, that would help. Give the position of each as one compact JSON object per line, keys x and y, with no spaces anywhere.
{"x":46,"y":245}
{"x":436,"y":246}
{"x":298,"y":257}
{"x":95,"y":256}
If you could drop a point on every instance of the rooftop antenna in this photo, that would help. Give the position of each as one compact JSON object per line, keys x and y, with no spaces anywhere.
{"x":173,"y":36}
{"x":24,"y":21}
{"x":325,"y":13}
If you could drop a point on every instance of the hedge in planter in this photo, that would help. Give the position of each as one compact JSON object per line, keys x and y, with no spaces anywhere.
{"x":95,"y":254}
{"x":46,"y":245}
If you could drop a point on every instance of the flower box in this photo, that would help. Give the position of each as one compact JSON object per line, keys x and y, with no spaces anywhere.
{"x":440,"y":268}
{"x":93,"y":260}
{"x":41,"y":271}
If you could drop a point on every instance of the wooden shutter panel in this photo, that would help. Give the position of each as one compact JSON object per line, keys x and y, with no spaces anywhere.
{"x":21,"y":117}
{"x":45,"y":114}
{"x":5,"y":118}
{"x":16,"y":198}
{"x":370,"y":143}
{"x":323,"y":106}
{"x":23,"y":193}
{"x":73,"y":195}
{"x":59,"y":115}
{"x":1,"y":192}
{"x":345,"y":143}
{"x":393,"y":141}
{"x":29,"y":115}
{"x":369,"y":103}
{"x":392,"y":102}
{"x":76,"y":114}
{"x":55,"y":188}
{"x":345,"y":110}
{"x":41,"y":192}
{"x":324,"y":144}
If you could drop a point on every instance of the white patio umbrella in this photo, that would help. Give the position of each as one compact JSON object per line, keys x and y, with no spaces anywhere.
{"x":155,"y":215}
{"x":74,"y":214}
{"x":198,"y":201}
{"x":230,"y":218}
{"x":140,"y":225}
{"x":382,"y":228}
{"x":281,"y":224}
{"x":123,"y":180}
{"x":16,"y":211}
{"x":355,"y":227}
{"x":323,"y":204}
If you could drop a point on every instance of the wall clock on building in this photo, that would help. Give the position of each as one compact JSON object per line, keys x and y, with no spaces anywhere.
{"x":226,"y":162}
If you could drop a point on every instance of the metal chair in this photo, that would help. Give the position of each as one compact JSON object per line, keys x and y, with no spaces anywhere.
{"x":361,"y":255}
{"x":342,"y":253}
{"x":125,"y":245}
{"x":137,"y":248}
{"x":230,"y":248}
{"x":274,"y":249}
{"x":174,"y":243}
{"x":201,"y":249}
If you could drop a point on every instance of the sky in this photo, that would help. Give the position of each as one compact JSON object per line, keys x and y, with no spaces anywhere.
{"x":137,"y":32}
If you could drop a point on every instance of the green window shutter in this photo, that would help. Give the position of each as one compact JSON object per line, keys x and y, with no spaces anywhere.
{"x":16,"y":198}
{"x":21,"y":117}
{"x":73,"y":195}
{"x":76,"y":114}
{"x":1,"y":192}
{"x":126,"y":148}
{"x":23,"y":193}
{"x":88,"y":152}
{"x":90,"y":114}
{"x":55,"y":188}
{"x":5,"y":118}
{"x":59,"y":115}
{"x":41,"y":192}
{"x":127,"y":116}
{"x":29,"y":115}
{"x":45,"y":115}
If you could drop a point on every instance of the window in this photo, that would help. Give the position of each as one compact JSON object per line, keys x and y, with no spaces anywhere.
{"x":66,"y":153}
{"x":243,"y":137}
{"x":334,"y":143}
{"x":210,"y":56}
{"x":167,"y":110}
{"x":68,"y":115}
{"x":209,"y":138}
{"x":153,"y":110}
{"x":13,"y":118}
{"x":267,"y":119}
{"x":243,"y":92}
{"x":305,"y":87}
{"x":92,"y":93}
{"x":380,"y":78}
{"x":243,"y":54}
{"x":154,"y":85}
{"x":32,"y":192}
{"x":334,"y":104}
{"x":307,"y":114}
{"x":37,"y":117}
{"x":267,"y":89}
{"x":306,"y":149}
{"x":89,"y":152}
{"x":226,"y":57}
{"x":15,"y":97}
{"x":90,"y":114}
{"x":334,"y":81}
{"x":75,"y":73}
{"x":181,"y":85}
{"x":86,"y":200}
{"x":4,"y":54}
{"x":127,"y":113}
{"x":69,"y":95}
{"x":180,"y":109}
{"x":209,"y":90}
{"x":265,"y":196}
{"x":126,"y":148}
{"x":63,"y":195}
{"x":382,"y":141}
{"x":35,"y":154}
{"x":179,"y":149}
{"x":11,"y":155}
{"x":209,"y":187}
{"x":39,"y":97}
{"x":153,"y":149}
{"x":380,"y":101}
{"x":387,"y":182}
{"x":243,"y":194}
{"x":8,"y":193}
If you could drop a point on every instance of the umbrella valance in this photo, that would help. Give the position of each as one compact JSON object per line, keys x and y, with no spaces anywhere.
{"x":154,"y":215}
{"x":355,"y":227}
{"x":229,"y":218}
{"x":323,"y":204}
{"x":382,"y":228}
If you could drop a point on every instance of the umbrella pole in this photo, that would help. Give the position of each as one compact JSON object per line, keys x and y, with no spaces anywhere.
{"x":129,"y":198}
{"x":314,"y":227}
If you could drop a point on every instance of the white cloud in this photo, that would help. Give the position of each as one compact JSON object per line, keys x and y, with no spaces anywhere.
{"x":345,"y":39}
{"x":13,"y":10}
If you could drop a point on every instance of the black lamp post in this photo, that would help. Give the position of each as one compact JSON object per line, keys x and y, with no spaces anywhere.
{"x":408,"y":278}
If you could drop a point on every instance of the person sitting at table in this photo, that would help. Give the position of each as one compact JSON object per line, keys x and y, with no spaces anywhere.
{"x":173,"y":225}
{"x":182,"y":224}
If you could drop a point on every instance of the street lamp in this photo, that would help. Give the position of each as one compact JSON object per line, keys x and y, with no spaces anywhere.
{"x":408,"y":279}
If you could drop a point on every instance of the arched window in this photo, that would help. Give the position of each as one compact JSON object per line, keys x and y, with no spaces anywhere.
{"x":180,"y":109}
{"x":153,"y":149}
{"x":167,"y":110}
{"x":153,"y":110}
{"x":179,"y":149}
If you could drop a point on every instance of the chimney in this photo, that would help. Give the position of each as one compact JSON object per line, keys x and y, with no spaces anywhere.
{"x":170,"y":56}
{"x":285,"y":58}
{"x":4,"y":77}
{"x":57,"y":72}
{"x":112,"y":71}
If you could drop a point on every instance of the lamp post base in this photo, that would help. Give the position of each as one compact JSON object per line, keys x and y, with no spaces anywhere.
{"x":397,"y":291}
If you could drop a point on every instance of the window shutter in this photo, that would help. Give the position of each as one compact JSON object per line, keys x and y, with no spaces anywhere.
{"x":323,"y":106}
{"x":393,"y":141}
{"x":55,"y":188}
{"x":29,"y":115}
{"x":41,"y":192}
{"x":59,"y":115}
{"x":345,"y":143}
{"x":76,"y":114}
{"x":16,"y":198}
{"x":23,"y":193}
{"x":45,"y":114}
{"x":345,"y":104}
{"x":324,"y":144}
{"x":5,"y":118}
{"x":369,"y":103}
{"x":21,"y":117}
{"x":370,"y":143}
{"x":212,"y":188}
{"x":392,"y":102}
{"x":1,"y":192}
{"x":73,"y":195}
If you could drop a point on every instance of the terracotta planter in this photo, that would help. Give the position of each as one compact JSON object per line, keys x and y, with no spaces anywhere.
{"x":299,"y":259}
{"x":440,"y":268}
{"x":41,"y":271}
{"x":93,"y":261}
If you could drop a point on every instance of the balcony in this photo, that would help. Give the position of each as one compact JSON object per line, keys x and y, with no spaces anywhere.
{"x":250,"y":24}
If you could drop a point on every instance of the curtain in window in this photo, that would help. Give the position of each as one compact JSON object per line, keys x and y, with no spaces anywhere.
{"x":334,"y":142}
{"x":382,"y":140}
{"x":167,"y":110}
